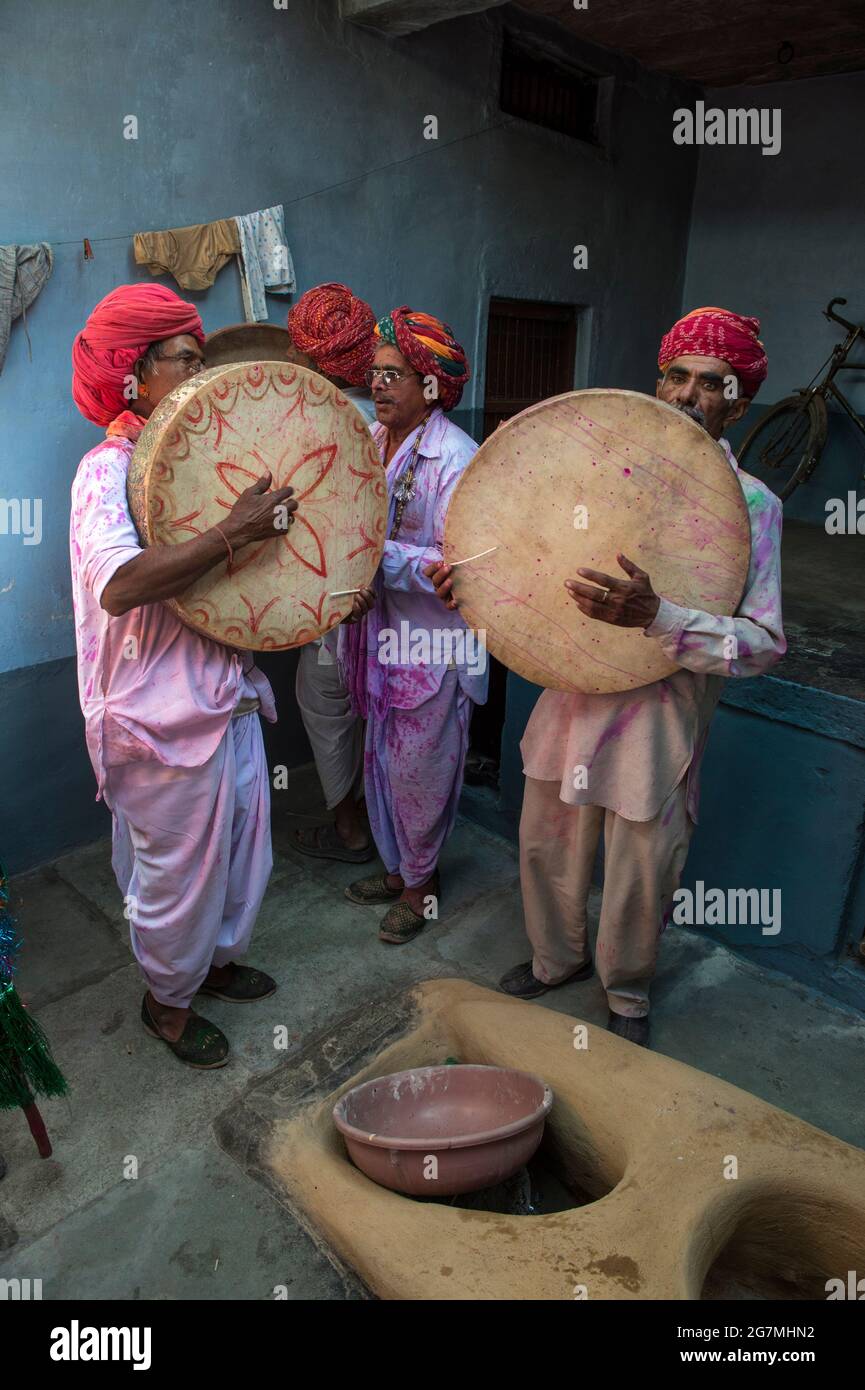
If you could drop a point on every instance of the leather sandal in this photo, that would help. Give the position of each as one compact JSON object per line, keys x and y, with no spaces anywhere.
{"x":400,"y":924}
{"x":523,"y":983}
{"x":201,"y":1044}
{"x":245,"y":986}
{"x":323,"y":842}
{"x":369,"y":891}
{"x":635,"y":1030}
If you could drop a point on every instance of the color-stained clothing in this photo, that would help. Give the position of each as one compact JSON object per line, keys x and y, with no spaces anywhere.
{"x":628,"y":750}
{"x":151,"y":689}
{"x":186,"y":783}
{"x":192,"y":857}
{"x":643,"y":862}
{"x":413,"y":775}
{"x":412,"y":654}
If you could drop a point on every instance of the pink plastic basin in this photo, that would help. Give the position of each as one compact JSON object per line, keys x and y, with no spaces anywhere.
{"x":437,"y":1131}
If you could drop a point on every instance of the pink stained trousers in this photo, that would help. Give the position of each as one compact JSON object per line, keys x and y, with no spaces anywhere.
{"x":192,"y":857}
{"x":643,"y":863}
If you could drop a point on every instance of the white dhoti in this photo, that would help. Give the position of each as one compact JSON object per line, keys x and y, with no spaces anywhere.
{"x":192,"y":857}
{"x":335,"y":734}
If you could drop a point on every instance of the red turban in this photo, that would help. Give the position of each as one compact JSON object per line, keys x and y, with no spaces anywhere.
{"x":334,"y":328}
{"x":431,"y":348}
{"x":714,"y":332}
{"x":118,"y":332}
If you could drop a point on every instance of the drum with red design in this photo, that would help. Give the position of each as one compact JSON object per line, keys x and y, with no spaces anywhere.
{"x":216,"y":435}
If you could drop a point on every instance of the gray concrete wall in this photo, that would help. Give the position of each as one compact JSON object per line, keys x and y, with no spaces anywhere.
{"x":240,"y":106}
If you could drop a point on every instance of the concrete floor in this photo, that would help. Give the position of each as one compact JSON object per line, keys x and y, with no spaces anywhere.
{"x":189,"y":1223}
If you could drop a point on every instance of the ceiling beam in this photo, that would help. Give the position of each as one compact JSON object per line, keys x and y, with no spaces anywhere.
{"x":396,"y":17}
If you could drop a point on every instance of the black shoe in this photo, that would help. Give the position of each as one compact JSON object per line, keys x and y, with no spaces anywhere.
{"x":522,"y":983}
{"x":635,"y":1030}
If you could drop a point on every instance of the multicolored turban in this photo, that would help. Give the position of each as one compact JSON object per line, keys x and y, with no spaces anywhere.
{"x":431,"y":348}
{"x":335,"y":329}
{"x":118,"y":332}
{"x":714,"y":332}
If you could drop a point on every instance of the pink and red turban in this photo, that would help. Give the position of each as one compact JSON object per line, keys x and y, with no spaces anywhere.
{"x":431,"y":348}
{"x":118,"y":332}
{"x":335,"y":329}
{"x":714,"y":332}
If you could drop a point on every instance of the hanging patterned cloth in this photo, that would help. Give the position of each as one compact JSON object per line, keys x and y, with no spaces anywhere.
{"x":23,"y":272}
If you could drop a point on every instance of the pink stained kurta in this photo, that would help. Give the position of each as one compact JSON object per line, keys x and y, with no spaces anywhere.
{"x":187,"y":786}
{"x":418,"y":711}
{"x":637,"y":745}
{"x":149,"y":686}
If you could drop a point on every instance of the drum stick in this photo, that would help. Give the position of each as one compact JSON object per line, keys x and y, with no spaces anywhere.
{"x":343,"y":593}
{"x":480,"y":555}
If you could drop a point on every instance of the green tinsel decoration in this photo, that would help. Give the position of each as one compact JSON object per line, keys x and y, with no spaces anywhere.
{"x":26,"y":1065}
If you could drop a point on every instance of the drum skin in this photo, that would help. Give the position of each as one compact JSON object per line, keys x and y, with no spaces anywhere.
{"x":247,"y":342}
{"x":567,"y":484}
{"x":212,"y":438}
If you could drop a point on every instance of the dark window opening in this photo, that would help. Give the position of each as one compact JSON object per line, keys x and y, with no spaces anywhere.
{"x":548,"y":93}
{"x":531,"y":354}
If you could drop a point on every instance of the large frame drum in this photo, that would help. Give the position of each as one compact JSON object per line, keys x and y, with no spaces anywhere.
{"x":216,"y":435}
{"x":569,"y":483}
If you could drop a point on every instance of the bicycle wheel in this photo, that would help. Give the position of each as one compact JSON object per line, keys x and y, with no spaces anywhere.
{"x":783,"y":448}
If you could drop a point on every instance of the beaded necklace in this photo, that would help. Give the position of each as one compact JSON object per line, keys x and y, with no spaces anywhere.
{"x":404,"y":491}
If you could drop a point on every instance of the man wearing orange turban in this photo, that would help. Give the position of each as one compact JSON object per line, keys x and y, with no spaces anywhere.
{"x":170,"y":715}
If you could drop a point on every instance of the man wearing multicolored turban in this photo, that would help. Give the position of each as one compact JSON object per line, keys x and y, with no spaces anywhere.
{"x":642,"y":748}
{"x":412,"y":668}
{"x":332,"y":332}
{"x":170,"y":716}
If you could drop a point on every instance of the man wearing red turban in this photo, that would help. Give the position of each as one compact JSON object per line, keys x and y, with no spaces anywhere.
{"x":642,"y":748}
{"x":170,"y":715}
{"x":331,"y":333}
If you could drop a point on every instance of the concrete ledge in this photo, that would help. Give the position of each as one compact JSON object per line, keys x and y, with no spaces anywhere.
{"x":646,"y":1140}
{"x":803,"y":706}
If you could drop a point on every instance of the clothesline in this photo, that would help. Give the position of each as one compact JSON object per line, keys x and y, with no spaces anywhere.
{"x":329,"y":188}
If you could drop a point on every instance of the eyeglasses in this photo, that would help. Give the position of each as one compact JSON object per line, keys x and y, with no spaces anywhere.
{"x":389,"y":376}
{"x":190,"y":361}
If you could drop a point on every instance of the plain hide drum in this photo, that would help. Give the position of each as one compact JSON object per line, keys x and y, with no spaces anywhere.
{"x":247,"y":342}
{"x":215,"y":436}
{"x":568,"y":484}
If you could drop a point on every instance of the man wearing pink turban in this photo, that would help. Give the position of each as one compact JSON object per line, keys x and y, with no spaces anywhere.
{"x":643,"y":746}
{"x":170,"y":715}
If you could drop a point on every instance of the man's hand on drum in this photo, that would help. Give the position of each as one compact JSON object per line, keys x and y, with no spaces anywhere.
{"x":362,"y":602}
{"x":442,"y":581}
{"x":260,"y":515}
{"x":630,"y":602}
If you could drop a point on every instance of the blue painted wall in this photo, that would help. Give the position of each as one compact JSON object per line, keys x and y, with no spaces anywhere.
{"x":240,"y":106}
{"x":778,"y":237}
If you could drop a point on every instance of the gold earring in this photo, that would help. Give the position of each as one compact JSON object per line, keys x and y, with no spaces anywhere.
{"x":143,"y":389}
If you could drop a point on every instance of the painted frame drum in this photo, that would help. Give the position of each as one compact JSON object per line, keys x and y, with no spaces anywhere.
{"x":212,"y":438}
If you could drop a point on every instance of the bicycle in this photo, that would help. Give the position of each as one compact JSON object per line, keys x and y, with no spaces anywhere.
{"x":795,"y":429}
